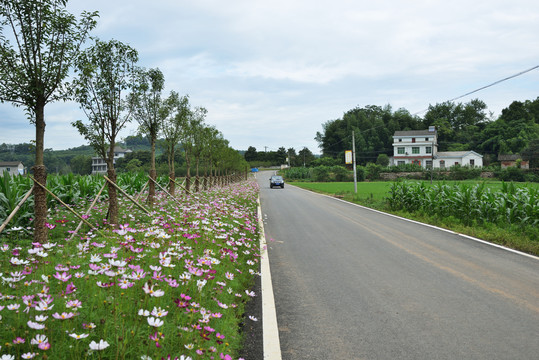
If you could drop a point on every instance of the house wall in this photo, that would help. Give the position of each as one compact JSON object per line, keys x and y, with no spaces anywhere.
{"x":13,"y":169}
{"x":472,"y":159}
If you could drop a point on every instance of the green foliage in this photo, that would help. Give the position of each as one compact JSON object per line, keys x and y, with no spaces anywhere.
{"x":373,"y":171}
{"x":382,"y":160}
{"x":469,"y":204}
{"x":511,"y":173}
{"x":320,"y":173}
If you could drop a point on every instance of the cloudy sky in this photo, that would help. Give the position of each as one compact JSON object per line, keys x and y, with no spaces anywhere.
{"x":271,"y":73}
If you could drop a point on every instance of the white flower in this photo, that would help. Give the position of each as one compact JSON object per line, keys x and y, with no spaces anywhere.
{"x":155,"y":322}
{"x":39,"y":339}
{"x":29,"y":355}
{"x":35,"y":325}
{"x":158,"y":312}
{"x":253,"y":318}
{"x":99,"y":346}
{"x":143,"y":312}
{"x":7,"y":357}
{"x":81,"y":336}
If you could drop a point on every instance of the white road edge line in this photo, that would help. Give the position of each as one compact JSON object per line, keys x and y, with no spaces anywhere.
{"x":428,"y":225}
{"x":270,"y":330}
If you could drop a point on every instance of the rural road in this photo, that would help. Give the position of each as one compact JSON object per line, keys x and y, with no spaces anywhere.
{"x":350,"y":283}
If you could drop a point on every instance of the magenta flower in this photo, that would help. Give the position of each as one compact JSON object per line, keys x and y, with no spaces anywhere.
{"x":18,"y":340}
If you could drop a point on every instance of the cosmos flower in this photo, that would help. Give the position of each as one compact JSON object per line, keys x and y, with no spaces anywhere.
{"x":155,"y":322}
{"x":99,"y":346}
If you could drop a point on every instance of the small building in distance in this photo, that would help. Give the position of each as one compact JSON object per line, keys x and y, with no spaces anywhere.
{"x":511,"y":160}
{"x":420,"y":147}
{"x":12,"y":167}
{"x":99,"y":166}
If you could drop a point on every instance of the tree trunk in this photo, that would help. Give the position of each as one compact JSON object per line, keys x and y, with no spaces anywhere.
{"x":40,"y":174}
{"x":188,"y":176}
{"x":113,"y":195}
{"x":171,"y":173}
{"x":153,"y":172}
{"x":197,"y":180}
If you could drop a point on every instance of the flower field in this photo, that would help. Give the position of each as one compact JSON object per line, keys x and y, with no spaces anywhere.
{"x":169,"y":285}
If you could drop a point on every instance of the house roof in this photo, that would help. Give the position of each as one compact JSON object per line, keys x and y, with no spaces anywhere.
{"x":414,"y":133}
{"x":511,"y":157}
{"x":454,"y":154}
{"x":10,"y":163}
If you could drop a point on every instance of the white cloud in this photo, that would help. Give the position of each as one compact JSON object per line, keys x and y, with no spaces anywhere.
{"x":270,"y":73}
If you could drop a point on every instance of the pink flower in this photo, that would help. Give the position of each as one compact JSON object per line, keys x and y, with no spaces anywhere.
{"x":63,"y":276}
{"x":64,"y":316}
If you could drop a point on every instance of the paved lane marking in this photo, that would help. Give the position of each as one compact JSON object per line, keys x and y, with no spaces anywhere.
{"x":270,"y":330}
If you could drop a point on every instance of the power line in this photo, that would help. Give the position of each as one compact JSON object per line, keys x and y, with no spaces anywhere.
{"x":486,"y":86}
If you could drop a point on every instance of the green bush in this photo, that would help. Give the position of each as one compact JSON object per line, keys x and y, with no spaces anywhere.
{"x":373,"y":171}
{"x":341,"y":173}
{"x":510,"y":174}
{"x":320,"y":173}
{"x":458,"y":172}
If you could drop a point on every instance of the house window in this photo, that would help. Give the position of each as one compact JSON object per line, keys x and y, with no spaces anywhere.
{"x":416,"y":162}
{"x":442,"y":164}
{"x":472,"y":162}
{"x":400,"y":150}
{"x":456,"y":162}
{"x":428,"y":164}
{"x":413,"y":140}
{"x":415,"y":150}
{"x":400,"y":162}
{"x":400,"y":140}
{"x":426,"y":139}
{"x":428,"y":149}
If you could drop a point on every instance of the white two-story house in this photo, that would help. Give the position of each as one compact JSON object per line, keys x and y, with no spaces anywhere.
{"x":99,"y":166}
{"x":421,"y":147}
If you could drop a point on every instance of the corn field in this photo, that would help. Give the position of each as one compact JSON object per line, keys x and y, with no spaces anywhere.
{"x":471,"y":204}
{"x":71,"y":189}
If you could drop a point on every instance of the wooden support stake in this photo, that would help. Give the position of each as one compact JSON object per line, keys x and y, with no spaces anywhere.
{"x":88,"y":211}
{"x":67,"y":207}
{"x":166,"y":192}
{"x":140,"y":193}
{"x":127,"y":195}
{"x":17,"y":208}
{"x":183,"y":187}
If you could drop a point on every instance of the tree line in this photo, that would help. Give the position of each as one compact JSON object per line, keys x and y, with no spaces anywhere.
{"x":460,"y":127}
{"x":41,"y":43}
{"x":282,"y":156}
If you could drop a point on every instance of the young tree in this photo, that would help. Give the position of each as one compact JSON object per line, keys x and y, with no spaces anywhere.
{"x":176,"y":112}
{"x":190,"y":130}
{"x":46,"y":39}
{"x":106,"y":71}
{"x":148,"y":111}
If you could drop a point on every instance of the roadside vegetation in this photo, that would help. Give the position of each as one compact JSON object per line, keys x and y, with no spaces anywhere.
{"x":167,"y":284}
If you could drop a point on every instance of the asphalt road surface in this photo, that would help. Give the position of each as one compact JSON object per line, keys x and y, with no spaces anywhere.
{"x":350,"y":283}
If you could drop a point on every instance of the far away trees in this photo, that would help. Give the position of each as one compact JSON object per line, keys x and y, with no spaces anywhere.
{"x":45,"y":39}
{"x":106,"y":75}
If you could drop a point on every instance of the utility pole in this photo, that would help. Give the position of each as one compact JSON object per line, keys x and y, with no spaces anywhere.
{"x":354,"y":160}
